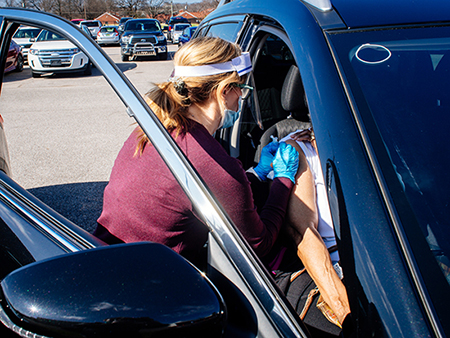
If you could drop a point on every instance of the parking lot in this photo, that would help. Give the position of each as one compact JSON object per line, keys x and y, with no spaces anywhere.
{"x":65,"y":131}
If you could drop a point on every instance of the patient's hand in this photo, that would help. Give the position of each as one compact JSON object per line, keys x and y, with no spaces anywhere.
{"x":305,"y":135}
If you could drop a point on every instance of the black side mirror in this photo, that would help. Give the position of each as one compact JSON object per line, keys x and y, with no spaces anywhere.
{"x":129,"y":290}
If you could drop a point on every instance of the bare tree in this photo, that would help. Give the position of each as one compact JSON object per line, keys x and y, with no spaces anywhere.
{"x":153,"y":7}
{"x":131,"y":7}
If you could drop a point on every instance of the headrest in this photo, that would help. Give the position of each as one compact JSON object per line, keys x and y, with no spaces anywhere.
{"x":293,"y":95}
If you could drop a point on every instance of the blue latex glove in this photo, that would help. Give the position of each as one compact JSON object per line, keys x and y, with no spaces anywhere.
{"x":267,"y":155}
{"x":285,"y":163}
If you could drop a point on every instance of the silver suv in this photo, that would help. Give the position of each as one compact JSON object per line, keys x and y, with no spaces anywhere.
{"x":93,"y":25}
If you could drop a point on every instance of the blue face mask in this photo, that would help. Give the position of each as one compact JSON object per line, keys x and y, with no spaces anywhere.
{"x":230,"y":116}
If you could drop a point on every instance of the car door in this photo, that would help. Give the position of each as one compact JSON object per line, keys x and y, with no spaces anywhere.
{"x":277,"y":41}
{"x":260,"y":308}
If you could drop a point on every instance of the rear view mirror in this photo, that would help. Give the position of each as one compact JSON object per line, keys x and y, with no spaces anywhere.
{"x":129,"y":290}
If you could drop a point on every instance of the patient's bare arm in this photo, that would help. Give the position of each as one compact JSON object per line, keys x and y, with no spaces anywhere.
{"x":302,"y":218}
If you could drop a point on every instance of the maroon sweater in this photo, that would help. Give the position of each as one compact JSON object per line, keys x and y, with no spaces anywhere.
{"x":143,"y":201}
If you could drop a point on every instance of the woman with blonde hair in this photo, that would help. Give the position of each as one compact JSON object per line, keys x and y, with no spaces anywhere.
{"x":143,"y":201}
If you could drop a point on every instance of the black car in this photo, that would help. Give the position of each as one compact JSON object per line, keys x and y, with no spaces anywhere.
{"x":370,"y":78}
{"x":143,"y":37}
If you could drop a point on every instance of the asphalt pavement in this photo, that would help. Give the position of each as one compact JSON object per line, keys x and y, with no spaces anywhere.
{"x":65,"y":131}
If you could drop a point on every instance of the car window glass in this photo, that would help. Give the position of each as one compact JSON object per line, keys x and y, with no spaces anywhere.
{"x":180,"y":27}
{"x":202,"y":31}
{"x":27,"y":33}
{"x":49,"y":36}
{"x":226,"y":31}
{"x":403,"y":77}
{"x":271,"y":66}
{"x":91,"y":24}
{"x":108,"y":29}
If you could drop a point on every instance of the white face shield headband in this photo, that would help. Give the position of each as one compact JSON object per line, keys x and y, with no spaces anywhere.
{"x":241,"y":64}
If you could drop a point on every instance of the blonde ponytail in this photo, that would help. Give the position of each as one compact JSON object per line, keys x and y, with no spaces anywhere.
{"x":170,"y":100}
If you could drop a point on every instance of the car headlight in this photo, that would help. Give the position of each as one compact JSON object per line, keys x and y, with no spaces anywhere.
{"x":161,"y":38}
{"x":125,"y":39}
{"x":34,"y":51}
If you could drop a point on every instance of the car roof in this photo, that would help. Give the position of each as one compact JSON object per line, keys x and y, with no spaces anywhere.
{"x":142,"y":19}
{"x":353,"y":14}
{"x":366,"y":13}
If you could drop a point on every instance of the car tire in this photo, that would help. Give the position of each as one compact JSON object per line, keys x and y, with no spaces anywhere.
{"x":162,"y":56}
{"x":125,"y":57}
{"x":88,"y":70}
{"x":33,"y":74}
{"x":19,"y":64}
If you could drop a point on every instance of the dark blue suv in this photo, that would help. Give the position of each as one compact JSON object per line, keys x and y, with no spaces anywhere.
{"x":371,"y":78}
{"x":143,"y":37}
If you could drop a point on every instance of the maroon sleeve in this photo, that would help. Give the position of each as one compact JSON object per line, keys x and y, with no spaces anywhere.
{"x":261,"y":230}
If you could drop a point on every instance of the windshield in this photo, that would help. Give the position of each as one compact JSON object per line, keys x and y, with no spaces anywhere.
{"x":91,"y":23}
{"x":27,"y":33}
{"x":401,"y":78}
{"x":108,"y":30}
{"x":180,"y":27}
{"x":148,"y":26}
{"x":123,"y":20}
{"x":49,"y":36}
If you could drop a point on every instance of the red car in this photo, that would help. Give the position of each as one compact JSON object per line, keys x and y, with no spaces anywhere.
{"x":14,"y":60}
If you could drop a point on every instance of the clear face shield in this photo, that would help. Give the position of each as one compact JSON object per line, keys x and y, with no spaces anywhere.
{"x":251,"y":101}
{"x":243,"y":66}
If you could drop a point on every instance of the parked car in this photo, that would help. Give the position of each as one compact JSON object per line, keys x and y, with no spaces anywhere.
{"x":108,"y":35}
{"x":76,"y":21}
{"x":122,"y":23}
{"x":52,"y":53}
{"x":143,"y":37}
{"x":23,"y":36}
{"x":186,"y":36}
{"x":178,"y":31}
{"x":172,"y":21}
{"x":93,"y":25}
{"x":14,"y":59}
{"x":370,"y":77}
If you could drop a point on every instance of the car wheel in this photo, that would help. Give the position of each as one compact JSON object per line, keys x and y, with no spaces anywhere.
{"x":162,"y":56}
{"x":33,"y":74}
{"x":19,"y":64}
{"x":125,"y":57}
{"x":88,"y":70}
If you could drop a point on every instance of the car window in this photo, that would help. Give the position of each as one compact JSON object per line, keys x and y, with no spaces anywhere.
{"x":226,"y":31}
{"x":108,"y":29}
{"x":49,"y":36}
{"x":122,"y":20}
{"x":91,"y":23}
{"x":179,"y":27}
{"x":27,"y":33}
{"x":273,"y":60}
{"x":402,"y":78}
{"x":141,"y":26}
{"x":151,"y":26}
